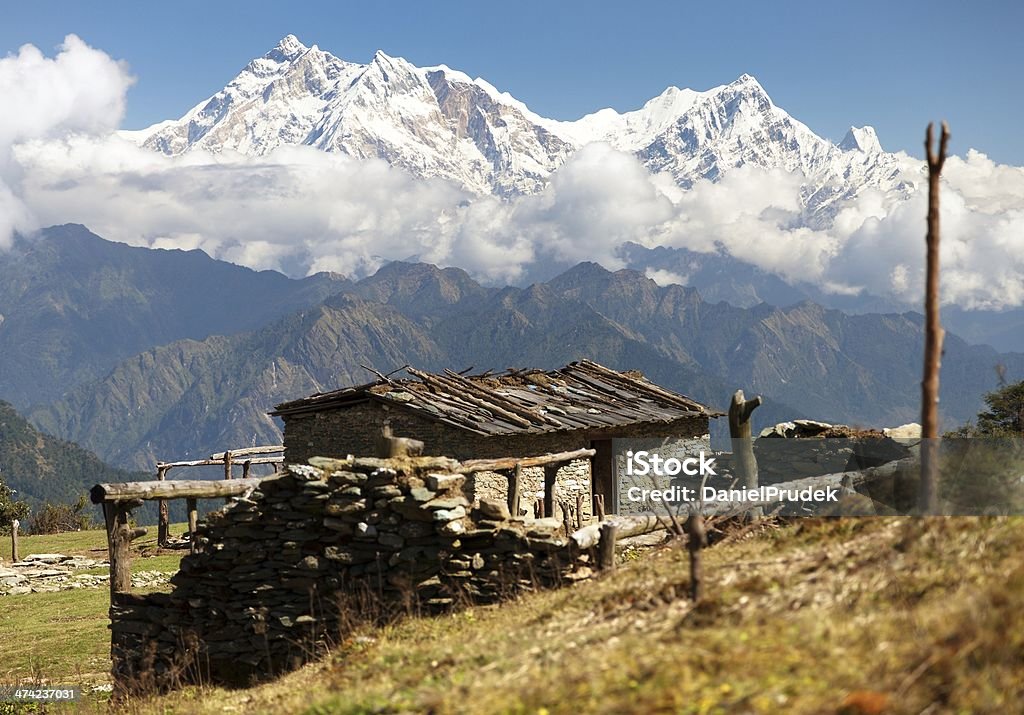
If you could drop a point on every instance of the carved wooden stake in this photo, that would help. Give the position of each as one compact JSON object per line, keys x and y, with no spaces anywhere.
{"x":696,"y":541}
{"x":933,"y":332}
{"x":14,"y":541}
{"x":740,"y":410}
{"x":599,"y":506}
{"x":163,"y":525}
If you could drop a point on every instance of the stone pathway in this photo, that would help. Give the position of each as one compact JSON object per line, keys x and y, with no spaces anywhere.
{"x":45,"y":573}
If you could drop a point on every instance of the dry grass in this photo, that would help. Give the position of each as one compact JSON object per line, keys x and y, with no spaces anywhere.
{"x":859,"y":615}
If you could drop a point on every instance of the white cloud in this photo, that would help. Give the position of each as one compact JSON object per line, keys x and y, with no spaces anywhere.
{"x":81,"y":89}
{"x":301,"y":210}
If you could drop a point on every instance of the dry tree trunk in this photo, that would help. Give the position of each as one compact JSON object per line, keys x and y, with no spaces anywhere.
{"x":933,"y":331}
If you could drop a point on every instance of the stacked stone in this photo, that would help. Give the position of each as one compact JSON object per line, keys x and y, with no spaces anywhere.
{"x":323,"y":547}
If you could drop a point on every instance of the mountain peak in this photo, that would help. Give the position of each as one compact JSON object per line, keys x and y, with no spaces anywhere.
{"x":861,"y":139}
{"x":287,"y":49}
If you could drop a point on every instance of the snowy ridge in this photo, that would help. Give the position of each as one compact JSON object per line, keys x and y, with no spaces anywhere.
{"x":440,"y":122}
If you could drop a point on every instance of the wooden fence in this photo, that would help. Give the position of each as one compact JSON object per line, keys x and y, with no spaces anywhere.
{"x":245,"y":457}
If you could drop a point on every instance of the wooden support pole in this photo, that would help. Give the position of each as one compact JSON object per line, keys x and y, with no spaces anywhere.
{"x":245,"y":468}
{"x":163,"y":525}
{"x":599,"y":506}
{"x":119,"y":536}
{"x":495,"y":465}
{"x":193,"y":518}
{"x":695,"y":543}
{"x":227,"y":471}
{"x":606,"y":546}
{"x":515,"y":486}
{"x":933,"y":332}
{"x":15,"y":557}
{"x":740,"y":410}
{"x":550,"y":476}
{"x":579,"y":511}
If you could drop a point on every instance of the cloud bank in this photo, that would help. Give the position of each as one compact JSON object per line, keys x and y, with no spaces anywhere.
{"x":301,"y":210}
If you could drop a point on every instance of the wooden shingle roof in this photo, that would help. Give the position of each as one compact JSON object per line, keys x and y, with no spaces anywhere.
{"x":581,"y":395}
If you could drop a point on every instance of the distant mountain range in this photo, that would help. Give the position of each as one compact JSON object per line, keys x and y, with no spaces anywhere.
{"x":439,"y":122}
{"x":190,"y":397}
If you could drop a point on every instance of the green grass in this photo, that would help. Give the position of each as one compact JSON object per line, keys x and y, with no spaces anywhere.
{"x":62,"y":637}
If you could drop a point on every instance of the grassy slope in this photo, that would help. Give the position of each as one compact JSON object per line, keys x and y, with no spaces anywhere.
{"x":797,"y":620}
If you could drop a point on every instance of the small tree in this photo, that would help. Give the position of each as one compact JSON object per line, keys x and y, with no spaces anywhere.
{"x":58,"y":518}
{"x":10,"y":509}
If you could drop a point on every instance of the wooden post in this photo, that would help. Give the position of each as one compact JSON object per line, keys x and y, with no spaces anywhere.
{"x":245,"y":468}
{"x":933,"y":332}
{"x":538,"y":509}
{"x":163,"y":525}
{"x":579,"y":511}
{"x":227,"y":471}
{"x":740,"y":410}
{"x":193,"y":518}
{"x":599,"y":506}
{"x":550,"y":475}
{"x":14,"y":541}
{"x":515,"y":485}
{"x":115,"y":514}
{"x":696,"y":541}
{"x":606,"y":546}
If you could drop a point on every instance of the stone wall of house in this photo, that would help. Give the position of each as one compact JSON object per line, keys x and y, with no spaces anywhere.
{"x":667,"y":448}
{"x":354,"y":430}
{"x":311,"y":554}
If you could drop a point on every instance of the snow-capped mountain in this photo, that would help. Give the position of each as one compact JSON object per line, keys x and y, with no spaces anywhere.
{"x":438,"y":122}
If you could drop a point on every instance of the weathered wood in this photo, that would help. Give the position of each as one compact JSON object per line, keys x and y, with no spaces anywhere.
{"x":193,"y":519}
{"x":933,"y":332}
{"x":697,"y":540}
{"x":550,"y":478}
{"x":608,"y":532}
{"x":538,"y":509}
{"x":599,"y":506}
{"x":245,"y":468}
{"x":217,"y":462}
{"x":248,"y":451}
{"x":515,"y":486}
{"x":172,"y":489}
{"x":740,"y":410}
{"x":164,"y":521}
{"x":15,"y":556}
{"x":119,"y":553}
{"x":588,"y":536}
{"x":496,"y":465}
{"x":579,"y":511}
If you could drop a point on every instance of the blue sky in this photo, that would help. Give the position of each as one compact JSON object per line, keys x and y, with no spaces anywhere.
{"x":895,"y":65}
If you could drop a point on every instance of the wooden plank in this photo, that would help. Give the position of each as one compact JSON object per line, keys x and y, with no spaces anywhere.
{"x":495,"y":465}
{"x":249,"y":451}
{"x":216,"y":462}
{"x":15,"y":557}
{"x":172,"y":489}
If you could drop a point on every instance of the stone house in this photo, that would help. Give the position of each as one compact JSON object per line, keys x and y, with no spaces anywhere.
{"x":519,"y":413}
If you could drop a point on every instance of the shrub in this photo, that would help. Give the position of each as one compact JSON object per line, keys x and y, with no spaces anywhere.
{"x":56,"y":518}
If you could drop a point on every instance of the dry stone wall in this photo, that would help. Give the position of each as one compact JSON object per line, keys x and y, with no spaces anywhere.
{"x":320,"y":549}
